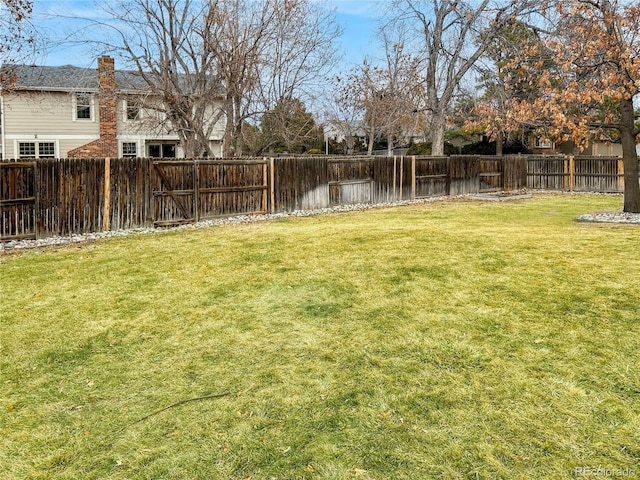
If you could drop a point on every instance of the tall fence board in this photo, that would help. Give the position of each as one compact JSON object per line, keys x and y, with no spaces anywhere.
{"x":50,"y":197}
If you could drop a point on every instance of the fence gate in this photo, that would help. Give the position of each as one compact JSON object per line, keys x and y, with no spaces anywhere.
{"x":186,"y":191}
{"x":17,"y":201}
{"x":174,"y":192}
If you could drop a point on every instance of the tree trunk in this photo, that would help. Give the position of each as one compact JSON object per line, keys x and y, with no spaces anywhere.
{"x":237,"y":129}
{"x":499,"y":143}
{"x":390,"y":146}
{"x":371,"y":139}
{"x":631,"y":176}
{"x":228,"y":129}
{"x":629,"y":158}
{"x":437,"y":136}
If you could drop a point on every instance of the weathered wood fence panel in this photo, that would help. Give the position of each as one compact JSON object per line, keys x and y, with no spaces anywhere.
{"x":192,"y":190}
{"x":465,"y":174}
{"x":299,"y":184}
{"x":18,"y":200}
{"x":350,"y":181}
{"x":50,"y":197}
{"x":69,"y":196}
{"x":311,"y":183}
{"x":592,"y":174}
{"x":514,"y":172}
{"x":547,"y":173}
{"x":490,"y":174}
{"x":231,"y":187}
{"x":174,"y":192}
{"x":586,"y":174}
{"x":131,"y":200}
{"x":432,"y":176}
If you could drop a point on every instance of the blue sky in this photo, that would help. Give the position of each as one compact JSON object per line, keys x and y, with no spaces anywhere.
{"x":360,"y":21}
{"x":358,"y":18}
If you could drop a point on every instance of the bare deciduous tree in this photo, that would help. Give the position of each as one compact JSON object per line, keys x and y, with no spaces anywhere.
{"x":247,"y":54}
{"x":163,"y":41}
{"x":269,"y":52}
{"x":453,"y":37}
{"x":389,"y":94}
{"x":15,"y":34}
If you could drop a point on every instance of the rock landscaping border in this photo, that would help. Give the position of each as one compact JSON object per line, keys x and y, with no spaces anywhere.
{"x":18,"y":245}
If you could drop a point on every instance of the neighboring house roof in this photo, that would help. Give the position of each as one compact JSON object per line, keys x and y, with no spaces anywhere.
{"x":68,"y":78}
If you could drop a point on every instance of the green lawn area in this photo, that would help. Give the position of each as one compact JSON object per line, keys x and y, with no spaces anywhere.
{"x":449,"y":340}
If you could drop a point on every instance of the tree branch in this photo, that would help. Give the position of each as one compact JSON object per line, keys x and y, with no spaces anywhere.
{"x":181,"y":402}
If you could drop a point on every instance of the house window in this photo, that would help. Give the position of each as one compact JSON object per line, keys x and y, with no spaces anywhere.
{"x":83,"y":105}
{"x":129,"y":150}
{"x":46,"y":150}
{"x":27,"y":150}
{"x":132,"y":109}
{"x":37,"y":149}
{"x":162,"y":150}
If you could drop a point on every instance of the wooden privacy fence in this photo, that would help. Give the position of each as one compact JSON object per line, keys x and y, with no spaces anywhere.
{"x":583,"y":174}
{"x":50,"y":197}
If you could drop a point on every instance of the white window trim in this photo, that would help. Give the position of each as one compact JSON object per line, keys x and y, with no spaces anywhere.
{"x":120,"y":147}
{"x":17,"y":142}
{"x":125,"y":112}
{"x":74,"y":107}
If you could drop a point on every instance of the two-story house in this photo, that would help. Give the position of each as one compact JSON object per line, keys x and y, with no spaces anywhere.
{"x":68,"y":111}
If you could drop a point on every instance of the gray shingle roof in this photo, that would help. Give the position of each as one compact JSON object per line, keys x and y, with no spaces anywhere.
{"x":68,"y":78}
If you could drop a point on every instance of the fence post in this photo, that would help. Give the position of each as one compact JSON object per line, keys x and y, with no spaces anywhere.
{"x":265,"y":184}
{"x":413,"y":177}
{"x":401,"y":175}
{"x":196,"y":190}
{"x":272,"y":193}
{"x":621,"y":175}
{"x":107,"y":195}
{"x":572,"y":173}
{"x":394,"y":179}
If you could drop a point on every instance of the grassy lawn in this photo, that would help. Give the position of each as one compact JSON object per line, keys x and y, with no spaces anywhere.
{"x":450,"y":340}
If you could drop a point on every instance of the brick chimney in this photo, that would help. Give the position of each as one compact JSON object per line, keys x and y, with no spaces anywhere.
{"x":107,"y":106}
{"x":107,"y":144}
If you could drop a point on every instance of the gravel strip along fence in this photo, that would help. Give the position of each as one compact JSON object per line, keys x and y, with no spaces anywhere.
{"x":16,"y":245}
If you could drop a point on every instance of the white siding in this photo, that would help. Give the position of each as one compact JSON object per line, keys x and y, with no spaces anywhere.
{"x":49,"y":116}
{"x":46,"y":117}
{"x":45,"y":113}
{"x":152,"y":126}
